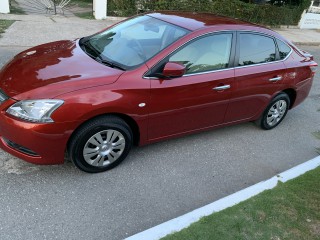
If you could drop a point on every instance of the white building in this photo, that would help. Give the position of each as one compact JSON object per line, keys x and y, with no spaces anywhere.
{"x":311,"y":18}
{"x":4,"y":6}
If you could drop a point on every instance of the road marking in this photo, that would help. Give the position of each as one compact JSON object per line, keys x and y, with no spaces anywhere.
{"x":185,"y":220}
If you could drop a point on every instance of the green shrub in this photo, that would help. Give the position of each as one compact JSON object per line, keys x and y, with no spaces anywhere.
{"x":122,"y":7}
{"x":262,"y":14}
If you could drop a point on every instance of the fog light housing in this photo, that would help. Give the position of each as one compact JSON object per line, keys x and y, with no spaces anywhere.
{"x":20,"y":148}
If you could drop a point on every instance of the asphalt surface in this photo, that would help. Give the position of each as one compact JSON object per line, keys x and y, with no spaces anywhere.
{"x":155,"y":183}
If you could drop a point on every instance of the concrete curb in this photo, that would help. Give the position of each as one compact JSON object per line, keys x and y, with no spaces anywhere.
{"x":185,"y":220}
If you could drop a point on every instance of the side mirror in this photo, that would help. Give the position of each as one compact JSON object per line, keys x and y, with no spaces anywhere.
{"x":172,"y":70}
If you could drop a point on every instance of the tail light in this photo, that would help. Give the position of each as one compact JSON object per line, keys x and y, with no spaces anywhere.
{"x":307,"y":55}
{"x":313,"y":66}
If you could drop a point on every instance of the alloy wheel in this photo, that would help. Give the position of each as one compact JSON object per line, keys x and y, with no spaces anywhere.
{"x":103,"y":148}
{"x":276,"y":112}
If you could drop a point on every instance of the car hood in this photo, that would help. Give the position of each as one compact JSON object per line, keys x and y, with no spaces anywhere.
{"x":49,"y":70}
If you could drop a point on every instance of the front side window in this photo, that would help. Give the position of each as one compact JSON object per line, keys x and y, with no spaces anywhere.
{"x":208,"y":53}
{"x":284,"y":49}
{"x":256,"y":49}
{"x":132,"y":42}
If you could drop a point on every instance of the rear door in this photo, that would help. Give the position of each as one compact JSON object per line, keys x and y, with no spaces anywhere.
{"x":258,"y":75}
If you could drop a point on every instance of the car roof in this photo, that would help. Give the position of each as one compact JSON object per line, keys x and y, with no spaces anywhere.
{"x":194,"y":21}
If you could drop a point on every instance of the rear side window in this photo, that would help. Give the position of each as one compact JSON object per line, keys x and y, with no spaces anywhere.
{"x":284,"y":49}
{"x":255,"y":49}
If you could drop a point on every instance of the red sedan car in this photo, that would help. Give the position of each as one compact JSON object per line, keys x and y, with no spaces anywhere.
{"x":149,"y":78}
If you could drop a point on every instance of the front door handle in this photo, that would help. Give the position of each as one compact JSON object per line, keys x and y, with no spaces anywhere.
{"x":275,"y":79}
{"x":224,"y":87}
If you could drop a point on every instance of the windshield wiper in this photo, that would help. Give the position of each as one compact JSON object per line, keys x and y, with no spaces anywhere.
{"x":85,"y":50}
{"x":87,"y":44}
{"x":109,"y":63}
{"x":98,"y":57}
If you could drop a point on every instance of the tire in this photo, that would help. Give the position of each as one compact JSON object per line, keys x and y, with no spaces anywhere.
{"x":100,"y":144}
{"x":275,"y":112}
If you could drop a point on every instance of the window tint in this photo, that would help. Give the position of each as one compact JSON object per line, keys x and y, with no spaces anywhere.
{"x":256,"y":49}
{"x":284,"y":49}
{"x":205,"y":54}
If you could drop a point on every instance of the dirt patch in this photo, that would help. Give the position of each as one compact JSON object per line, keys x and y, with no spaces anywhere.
{"x":12,"y":165}
{"x":261,"y":216}
{"x":315,"y":228}
{"x":275,"y":238}
{"x":316,"y":134}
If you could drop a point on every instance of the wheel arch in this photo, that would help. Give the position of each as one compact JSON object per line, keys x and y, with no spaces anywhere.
{"x":129,"y":120}
{"x":292,"y":95}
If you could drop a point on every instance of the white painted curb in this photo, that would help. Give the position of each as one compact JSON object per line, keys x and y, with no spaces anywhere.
{"x":185,"y":220}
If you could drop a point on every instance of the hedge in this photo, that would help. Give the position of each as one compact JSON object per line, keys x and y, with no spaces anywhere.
{"x":265,"y":14}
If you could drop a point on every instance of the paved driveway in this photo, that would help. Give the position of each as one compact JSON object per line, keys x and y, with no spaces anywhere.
{"x":156,"y":183}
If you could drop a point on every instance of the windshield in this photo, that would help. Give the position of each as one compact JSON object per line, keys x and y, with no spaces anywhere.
{"x":132,"y":42}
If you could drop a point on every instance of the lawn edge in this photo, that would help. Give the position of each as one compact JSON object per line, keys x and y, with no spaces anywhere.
{"x":187,"y":219}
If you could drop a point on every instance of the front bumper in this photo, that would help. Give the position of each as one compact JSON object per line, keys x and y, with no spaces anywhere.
{"x":38,"y":143}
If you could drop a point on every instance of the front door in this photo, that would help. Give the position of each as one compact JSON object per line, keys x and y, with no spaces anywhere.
{"x":200,"y":98}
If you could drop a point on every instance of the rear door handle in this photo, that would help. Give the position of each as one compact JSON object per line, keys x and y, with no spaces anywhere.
{"x":224,"y":87}
{"x":275,"y":79}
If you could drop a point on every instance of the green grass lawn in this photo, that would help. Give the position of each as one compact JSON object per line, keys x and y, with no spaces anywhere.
{"x":15,"y":8}
{"x":317,"y":135}
{"x":82,"y":3}
{"x":289,"y":211}
{"x":4,"y":24}
{"x":86,"y":15}
{"x":85,"y":7}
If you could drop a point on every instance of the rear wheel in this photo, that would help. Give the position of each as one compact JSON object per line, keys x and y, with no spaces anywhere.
{"x":275,"y":112}
{"x":100,"y":144}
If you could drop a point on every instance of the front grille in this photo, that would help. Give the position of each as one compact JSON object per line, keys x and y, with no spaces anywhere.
{"x":20,"y":148}
{"x":3,"y":96}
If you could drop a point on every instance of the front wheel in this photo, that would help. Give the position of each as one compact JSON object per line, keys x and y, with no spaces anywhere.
{"x":100,"y":144}
{"x":275,"y":112}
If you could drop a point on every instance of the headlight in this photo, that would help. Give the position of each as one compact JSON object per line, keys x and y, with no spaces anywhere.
{"x":35,"y":110}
